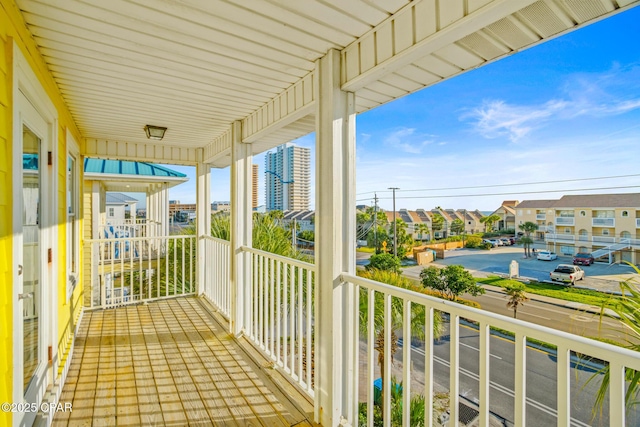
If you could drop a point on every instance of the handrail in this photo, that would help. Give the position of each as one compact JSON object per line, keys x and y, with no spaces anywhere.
{"x":292,"y":261}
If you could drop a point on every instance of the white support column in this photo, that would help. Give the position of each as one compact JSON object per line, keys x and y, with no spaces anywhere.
{"x":165,"y":208}
{"x":335,"y":246}
{"x":241,"y":227}
{"x":203,"y":217}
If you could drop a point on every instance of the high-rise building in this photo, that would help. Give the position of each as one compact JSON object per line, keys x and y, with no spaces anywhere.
{"x":287,"y":178}
{"x":255,"y":169}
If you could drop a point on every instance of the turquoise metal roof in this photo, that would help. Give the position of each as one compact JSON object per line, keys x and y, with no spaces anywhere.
{"x":124,"y":167}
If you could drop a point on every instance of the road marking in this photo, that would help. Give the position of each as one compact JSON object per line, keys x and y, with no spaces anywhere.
{"x":499,"y":387}
{"x":478,"y":350}
{"x":535,"y":315}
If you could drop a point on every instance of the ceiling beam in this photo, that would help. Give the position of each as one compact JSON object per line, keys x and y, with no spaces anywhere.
{"x":415,"y":31}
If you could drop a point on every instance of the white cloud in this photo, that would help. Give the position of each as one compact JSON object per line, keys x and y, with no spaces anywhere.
{"x":590,"y":95}
{"x":408,"y":140}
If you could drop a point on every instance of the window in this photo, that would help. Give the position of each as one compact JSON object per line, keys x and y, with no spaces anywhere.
{"x":112,"y":212}
{"x":567,"y":230}
{"x":519,"y":212}
{"x":73,"y":217}
{"x":625,"y":213}
{"x":583,"y":213}
{"x":605,"y":232}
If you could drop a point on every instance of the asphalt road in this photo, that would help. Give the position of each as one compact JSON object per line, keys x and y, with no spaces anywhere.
{"x":541,"y":380}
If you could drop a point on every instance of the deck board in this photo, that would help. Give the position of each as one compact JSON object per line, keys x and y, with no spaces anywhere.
{"x":168,"y":363}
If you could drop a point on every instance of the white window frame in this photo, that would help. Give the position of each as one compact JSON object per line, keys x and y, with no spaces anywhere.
{"x":73,"y":218}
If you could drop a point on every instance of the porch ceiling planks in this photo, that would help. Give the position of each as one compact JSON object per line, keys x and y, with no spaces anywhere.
{"x":197,"y":66}
{"x":167,"y":363}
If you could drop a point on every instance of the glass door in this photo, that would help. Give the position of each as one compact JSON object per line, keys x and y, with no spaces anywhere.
{"x":31,"y":255}
{"x":32,"y":314}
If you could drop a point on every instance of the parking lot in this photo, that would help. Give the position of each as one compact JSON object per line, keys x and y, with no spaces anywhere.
{"x":598,"y":276}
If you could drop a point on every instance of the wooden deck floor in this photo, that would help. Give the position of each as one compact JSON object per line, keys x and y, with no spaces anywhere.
{"x":168,"y":363}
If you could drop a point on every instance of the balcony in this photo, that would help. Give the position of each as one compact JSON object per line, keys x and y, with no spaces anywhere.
{"x":541,"y":217}
{"x":559,"y":238}
{"x":565,"y":220}
{"x":637,"y":222}
{"x":603,"y":222}
{"x":603,"y":239}
{"x":174,"y":360}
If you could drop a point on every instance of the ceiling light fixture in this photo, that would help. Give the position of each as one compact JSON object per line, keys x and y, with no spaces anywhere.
{"x":155,"y":132}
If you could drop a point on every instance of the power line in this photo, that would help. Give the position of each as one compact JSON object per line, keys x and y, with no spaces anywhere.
{"x":503,"y":194}
{"x":512,"y":185}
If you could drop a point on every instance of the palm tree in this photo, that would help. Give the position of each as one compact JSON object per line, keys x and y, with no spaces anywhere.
{"x":422,"y":229}
{"x":628,"y":314}
{"x":516,"y":296}
{"x":528,"y":228}
{"x":397,"y":306}
{"x":437,"y":222}
{"x":457,"y":225}
{"x":488,"y":221}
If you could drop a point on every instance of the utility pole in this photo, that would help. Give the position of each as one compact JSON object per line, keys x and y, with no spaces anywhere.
{"x":464,"y":228}
{"x":375,"y":221}
{"x":395,"y":238}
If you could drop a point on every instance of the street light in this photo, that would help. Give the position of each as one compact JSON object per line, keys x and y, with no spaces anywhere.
{"x":395,"y":248}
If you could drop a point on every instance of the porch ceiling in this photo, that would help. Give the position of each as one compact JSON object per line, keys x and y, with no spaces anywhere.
{"x":196,"y":66}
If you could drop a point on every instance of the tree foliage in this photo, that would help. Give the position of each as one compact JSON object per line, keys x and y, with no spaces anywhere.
{"x":528,"y":228}
{"x":452,"y":280}
{"x":457,"y":226}
{"x":516,"y":297}
{"x":628,"y":315}
{"x":488,"y":221}
{"x":384,"y":262}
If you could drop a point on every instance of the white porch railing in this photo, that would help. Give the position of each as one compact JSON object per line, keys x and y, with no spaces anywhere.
{"x":129,"y":228}
{"x":282,"y":314}
{"x":398,"y":310}
{"x":217,"y":283}
{"x":541,"y":216}
{"x":129,"y":270}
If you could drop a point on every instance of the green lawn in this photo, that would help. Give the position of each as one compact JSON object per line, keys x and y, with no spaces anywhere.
{"x":567,"y":293}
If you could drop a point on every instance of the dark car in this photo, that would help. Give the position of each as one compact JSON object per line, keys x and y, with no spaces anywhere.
{"x":583,"y":259}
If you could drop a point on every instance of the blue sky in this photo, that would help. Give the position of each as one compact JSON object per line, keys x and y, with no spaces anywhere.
{"x":566,"y":110}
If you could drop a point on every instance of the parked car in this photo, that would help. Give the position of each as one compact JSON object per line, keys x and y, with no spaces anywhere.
{"x":547,"y":256}
{"x":512,"y":240}
{"x":583,"y":259}
{"x":496,"y":242}
{"x":567,"y":273}
{"x":505,"y":241}
{"x":489,"y":242}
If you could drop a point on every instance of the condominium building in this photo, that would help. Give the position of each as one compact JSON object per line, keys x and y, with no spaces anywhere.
{"x":606,"y":225}
{"x":287,"y":178}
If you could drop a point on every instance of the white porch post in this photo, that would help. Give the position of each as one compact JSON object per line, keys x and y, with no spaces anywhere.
{"x":241,"y":227}
{"x":203,"y":218}
{"x":335,"y":246}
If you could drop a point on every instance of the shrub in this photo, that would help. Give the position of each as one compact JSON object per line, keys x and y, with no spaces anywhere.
{"x":385,"y":262}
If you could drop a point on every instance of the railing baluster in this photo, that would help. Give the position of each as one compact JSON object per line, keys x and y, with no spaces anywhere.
{"x":300,"y":312}
{"x":386,"y":384}
{"x":285,"y":296}
{"x":617,"y":383}
{"x":428,"y":365}
{"x":484,"y":333}
{"x":563,"y":386}
{"x":270,"y":339}
{"x":371,"y":342}
{"x":292,"y":328}
{"x":454,"y":366}
{"x":406,"y":364}
{"x":278,"y":312}
{"x":520,"y":398}
{"x":309,"y":338}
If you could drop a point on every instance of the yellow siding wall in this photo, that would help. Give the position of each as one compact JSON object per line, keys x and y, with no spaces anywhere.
{"x":6,"y":288}
{"x":13,"y":30}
